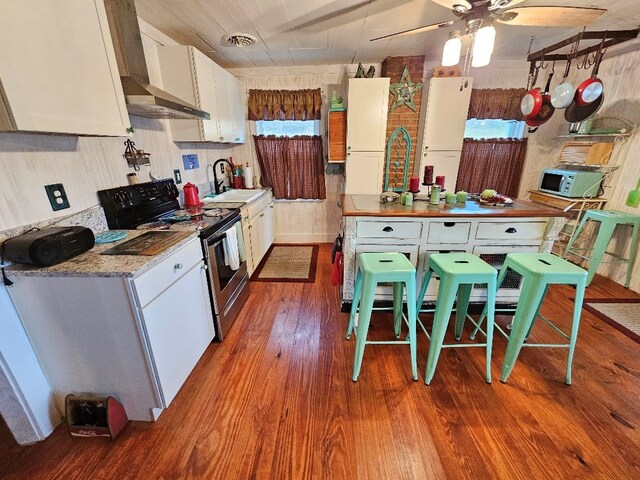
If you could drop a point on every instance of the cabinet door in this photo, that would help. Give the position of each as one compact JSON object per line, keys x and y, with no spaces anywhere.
{"x":337,"y":132}
{"x":237,"y":111}
{"x":446,"y":113}
{"x":207,"y":88}
{"x":262,"y":233}
{"x":223,"y":99}
{"x":363,"y":173}
{"x":179,"y":326}
{"x":444,"y":163}
{"x":58,"y":69}
{"x":368,"y":101}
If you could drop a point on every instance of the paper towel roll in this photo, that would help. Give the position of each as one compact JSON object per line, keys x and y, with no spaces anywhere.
{"x":248,"y":177}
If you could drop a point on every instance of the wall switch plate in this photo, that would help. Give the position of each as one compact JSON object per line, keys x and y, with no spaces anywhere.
{"x":57,"y":196}
{"x":190,"y":161}
{"x":177,"y":176}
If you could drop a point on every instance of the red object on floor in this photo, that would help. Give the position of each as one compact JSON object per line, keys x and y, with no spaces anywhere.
{"x":338,"y":268}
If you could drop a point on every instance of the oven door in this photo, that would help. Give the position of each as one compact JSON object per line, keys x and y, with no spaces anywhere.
{"x":224,"y":280}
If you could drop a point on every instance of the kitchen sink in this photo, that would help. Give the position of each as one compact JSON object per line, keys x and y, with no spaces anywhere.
{"x":236,"y":196}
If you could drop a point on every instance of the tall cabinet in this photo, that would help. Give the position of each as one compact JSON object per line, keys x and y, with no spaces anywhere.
{"x":367,"y":105}
{"x":445,"y":108}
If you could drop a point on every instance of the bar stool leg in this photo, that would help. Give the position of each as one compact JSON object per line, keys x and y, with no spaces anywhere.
{"x":603,"y":237}
{"x":397,"y":307}
{"x":532,"y":294}
{"x":574,"y":237}
{"x":491,"y":312}
{"x":633,"y":251}
{"x":354,"y":303}
{"x":446,"y":297}
{"x":411,"y":316}
{"x":501,"y":275}
{"x":535,"y":315}
{"x":577,"y":309}
{"x":366,"y":307}
{"x":462,"y":305}
{"x":423,"y":288}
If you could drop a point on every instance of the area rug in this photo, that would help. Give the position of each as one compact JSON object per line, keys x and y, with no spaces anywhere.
{"x":288,"y":263}
{"x":621,"y":314}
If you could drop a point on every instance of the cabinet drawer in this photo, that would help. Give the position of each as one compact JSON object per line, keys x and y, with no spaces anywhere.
{"x":378,"y":229}
{"x":259,"y":205}
{"x":510,"y":230}
{"x":151,"y":283}
{"x":448,"y":232}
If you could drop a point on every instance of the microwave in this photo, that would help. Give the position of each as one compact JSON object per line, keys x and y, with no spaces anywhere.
{"x":571,"y":183}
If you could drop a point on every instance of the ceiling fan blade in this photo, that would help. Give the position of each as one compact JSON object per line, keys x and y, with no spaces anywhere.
{"x":411,"y":31}
{"x":550,"y":16}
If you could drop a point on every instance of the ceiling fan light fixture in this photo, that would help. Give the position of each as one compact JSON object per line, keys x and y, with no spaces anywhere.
{"x":452,"y":49}
{"x":483,"y":43}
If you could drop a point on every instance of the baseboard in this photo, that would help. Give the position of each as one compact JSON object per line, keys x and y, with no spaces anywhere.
{"x":305,"y":238}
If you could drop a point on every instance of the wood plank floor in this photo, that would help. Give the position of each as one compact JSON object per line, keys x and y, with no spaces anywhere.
{"x":275,"y":401}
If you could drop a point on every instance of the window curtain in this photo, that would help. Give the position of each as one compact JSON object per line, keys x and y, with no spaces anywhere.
{"x":285,"y":104}
{"x":493,"y":163}
{"x":292,"y":166}
{"x":496,"y":103}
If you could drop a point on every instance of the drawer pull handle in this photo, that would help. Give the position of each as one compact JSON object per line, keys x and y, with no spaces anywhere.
{"x":449,"y":224}
{"x":177,"y":266}
{"x":511,"y":230}
{"x":387,"y":229}
{"x":262,"y":214}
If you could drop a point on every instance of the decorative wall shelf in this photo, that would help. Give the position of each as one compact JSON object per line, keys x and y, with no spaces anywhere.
{"x":595,"y":135}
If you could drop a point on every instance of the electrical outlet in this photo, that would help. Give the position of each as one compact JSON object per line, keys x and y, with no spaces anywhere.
{"x":190,"y":161}
{"x":57,"y":196}
{"x":177,"y":176}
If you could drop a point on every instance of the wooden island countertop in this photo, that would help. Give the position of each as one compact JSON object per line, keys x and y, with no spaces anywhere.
{"x":370,"y":206}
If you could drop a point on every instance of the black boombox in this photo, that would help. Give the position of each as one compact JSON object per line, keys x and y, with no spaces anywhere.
{"x":48,"y":246}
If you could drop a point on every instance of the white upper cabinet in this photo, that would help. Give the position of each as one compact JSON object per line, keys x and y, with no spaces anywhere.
{"x":58,"y":71}
{"x":189,"y":74}
{"x":368,"y":101}
{"x":446,"y":108}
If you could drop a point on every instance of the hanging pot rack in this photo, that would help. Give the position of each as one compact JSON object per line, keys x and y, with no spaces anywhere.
{"x":606,"y":39}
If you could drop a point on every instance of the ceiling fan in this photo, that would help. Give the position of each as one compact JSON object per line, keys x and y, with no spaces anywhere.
{"x":476,"y":18}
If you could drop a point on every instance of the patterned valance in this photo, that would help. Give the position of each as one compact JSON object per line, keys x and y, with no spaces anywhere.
{"x":285,"y":104}
{"x":496,"y":103}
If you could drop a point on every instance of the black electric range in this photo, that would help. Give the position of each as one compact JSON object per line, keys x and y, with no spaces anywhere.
{"x":155,"y":206}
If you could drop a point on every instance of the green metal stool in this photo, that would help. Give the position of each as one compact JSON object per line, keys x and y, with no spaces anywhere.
{"x":374,"y":268}
{"x":539,"y":270}
{"x":609,"y":220}
{"x":458,"y":272}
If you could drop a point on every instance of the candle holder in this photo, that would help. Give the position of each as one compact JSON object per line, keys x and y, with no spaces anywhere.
{"x":429,"y":186}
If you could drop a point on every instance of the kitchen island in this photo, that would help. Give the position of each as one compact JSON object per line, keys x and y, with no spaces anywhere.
{"x":491,"y":232}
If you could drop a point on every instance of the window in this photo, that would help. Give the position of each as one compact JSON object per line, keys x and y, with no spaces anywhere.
{"x":287,"y":128}
{"x":480,"y":129}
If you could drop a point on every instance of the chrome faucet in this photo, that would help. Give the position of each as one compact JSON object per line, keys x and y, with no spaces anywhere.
{"x":216,"y":183}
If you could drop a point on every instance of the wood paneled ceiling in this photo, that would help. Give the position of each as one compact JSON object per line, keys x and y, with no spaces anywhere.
{"x":298,"y":32}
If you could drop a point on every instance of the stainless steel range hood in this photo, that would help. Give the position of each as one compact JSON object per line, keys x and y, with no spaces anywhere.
{"x":142,"y":99}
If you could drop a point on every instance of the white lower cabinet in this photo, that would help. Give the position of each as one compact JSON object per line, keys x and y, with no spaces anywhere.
{"x":363,"y":173}
{"x":136,"y":339}
{"x":179,"y":331}
{"x":258,"y":229}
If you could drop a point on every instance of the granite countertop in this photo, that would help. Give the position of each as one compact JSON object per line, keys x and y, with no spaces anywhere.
{"x":92,"y":264}
{"x":370,"y":205}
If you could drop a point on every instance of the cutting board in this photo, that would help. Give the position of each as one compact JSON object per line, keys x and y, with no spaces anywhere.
{"x":149,"y":243}
{"x":586,"y":153}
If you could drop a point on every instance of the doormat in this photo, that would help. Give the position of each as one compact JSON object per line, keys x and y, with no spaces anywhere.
{"x":288,"y":263}
{"x":623,"y":314}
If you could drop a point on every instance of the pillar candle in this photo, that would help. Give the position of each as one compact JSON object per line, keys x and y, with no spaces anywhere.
{"x":413,"y":184}
{"x":440,"y":181}
{"x":428,"y":174}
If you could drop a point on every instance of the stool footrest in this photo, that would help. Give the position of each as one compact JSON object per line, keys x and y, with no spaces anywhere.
{"x":387,"y":342}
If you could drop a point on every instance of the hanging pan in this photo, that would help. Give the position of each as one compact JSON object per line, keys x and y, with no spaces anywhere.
{"x":576,"y":113}
{"x":562,"y":95}
{"x":531,"y":102}
{"x":591,"y":89}
{"x":545,"y":111}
